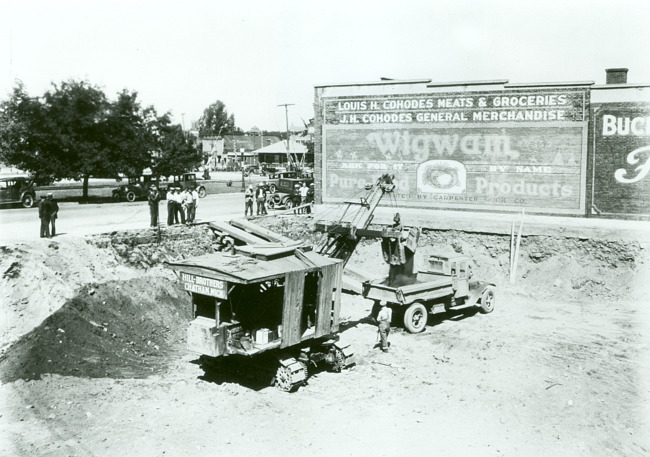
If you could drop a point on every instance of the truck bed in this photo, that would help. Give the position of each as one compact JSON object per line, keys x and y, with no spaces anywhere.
{"x":425,"y":286}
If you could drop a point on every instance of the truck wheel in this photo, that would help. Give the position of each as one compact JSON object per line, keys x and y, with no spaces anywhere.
{"x":27,"y":201}
{"x":487,"y":300}
{"x":272,"y":188}
{"x":202,"y":192}
{"x":415,"y":318}
{"x":130,"y":196}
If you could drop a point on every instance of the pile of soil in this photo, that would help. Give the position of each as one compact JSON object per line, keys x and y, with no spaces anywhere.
{"x":119,"y":329}
{"x":37,"y":278}
{"x":144,"y":249}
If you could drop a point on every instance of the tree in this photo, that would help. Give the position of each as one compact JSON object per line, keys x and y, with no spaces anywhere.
{"x":176,"y":153}
{"x":215,"y":121}
{"x":130,"y":134}
{"x":74,"y":132}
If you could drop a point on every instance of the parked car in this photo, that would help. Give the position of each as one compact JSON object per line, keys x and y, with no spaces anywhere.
{"x":17,"y":189}
{"x":136,"y":187}
{"x":186,"y":181}
{"x":274,"y":179}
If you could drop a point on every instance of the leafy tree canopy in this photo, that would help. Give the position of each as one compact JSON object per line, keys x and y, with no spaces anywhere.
{"x":215,"y":121}
{"x":176,"y":153}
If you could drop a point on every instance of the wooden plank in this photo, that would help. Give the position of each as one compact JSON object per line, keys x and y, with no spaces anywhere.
{"x":294,"y":286}
{"x":255,"y":229}
{"x":336,"y":307}
{"x":237,"y":233}
{"x":324,"y":300}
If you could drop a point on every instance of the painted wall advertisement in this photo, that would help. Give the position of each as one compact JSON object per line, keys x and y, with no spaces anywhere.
{"x":492,"y":150}
{"x":621,"y":159}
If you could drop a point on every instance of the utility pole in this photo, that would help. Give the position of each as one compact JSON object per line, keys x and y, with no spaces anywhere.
{"x":286,"y":114}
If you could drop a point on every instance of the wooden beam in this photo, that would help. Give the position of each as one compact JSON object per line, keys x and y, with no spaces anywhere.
{"x":260,"y":231}
{"x":234,"y":232}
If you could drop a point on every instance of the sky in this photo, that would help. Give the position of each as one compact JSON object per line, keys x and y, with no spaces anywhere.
{"x":182,"y":56}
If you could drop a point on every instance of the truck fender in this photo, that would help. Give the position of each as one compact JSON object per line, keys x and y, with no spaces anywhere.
{"x":476,"y":291}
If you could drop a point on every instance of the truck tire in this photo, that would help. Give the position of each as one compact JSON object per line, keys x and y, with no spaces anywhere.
{"x":27,"y":201}
{"x":415,"y":318}
{"x":130,"y":196}
{"x":487,"y":300}
{"x":202,"y":192}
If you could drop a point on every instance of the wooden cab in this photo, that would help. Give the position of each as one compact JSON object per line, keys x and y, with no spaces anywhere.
{"x":261,"y":298}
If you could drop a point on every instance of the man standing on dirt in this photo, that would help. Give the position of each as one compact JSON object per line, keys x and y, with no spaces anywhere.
{"x":383,"y":319}
{"x":304,"y":190}
{"x":260,"y":196}
{"x":54,"y":212}
{"x":171,"y":208}
{"x":44,"y":215}
{"x":248,"y":200}
{"x":195,"y":203}
{"x":154,"y":198}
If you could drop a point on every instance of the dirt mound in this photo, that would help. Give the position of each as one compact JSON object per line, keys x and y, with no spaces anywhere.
{"x":38,"y":278}
{"x":145,"y":248}
{"x":120,"y":329}
{"x":561,"y":267}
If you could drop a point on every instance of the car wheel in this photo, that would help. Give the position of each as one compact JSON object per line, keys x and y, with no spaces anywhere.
{"x":488,"y":300}
{"x":27,"y":201}
{"x":272,"y":188}
{"x":202,"y":192}
{"x":270,"y":204}
{"x":415,"y":318}
{"x":288,"y":203}
{"x":130,"y":196}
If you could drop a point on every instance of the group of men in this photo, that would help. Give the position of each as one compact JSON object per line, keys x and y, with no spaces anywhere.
{"x":259,"y":195}
{"x":299,"y":197}
{"x":181,"y":205}
{"x":48,"y":211}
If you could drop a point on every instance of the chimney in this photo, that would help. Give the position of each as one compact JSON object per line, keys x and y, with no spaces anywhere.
{"x":616,"y":75}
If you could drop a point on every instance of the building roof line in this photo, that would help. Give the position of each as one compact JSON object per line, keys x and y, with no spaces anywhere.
{"x":384,"y":82}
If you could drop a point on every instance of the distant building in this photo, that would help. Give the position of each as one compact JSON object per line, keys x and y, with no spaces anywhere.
{"x":227,"y":150}
{"x":276,"y":153}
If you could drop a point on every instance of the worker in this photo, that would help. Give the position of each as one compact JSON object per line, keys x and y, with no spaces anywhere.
{"x":295,"y":198}
{"x":186,"y":199}
{"x":154,"y":198}
{"x":44,"y":216}
{"x":171,"y":207}
{"x":195,"y":202}
{"x":248,"y":200}
{"x":383,"y":320}
{"x":54,"y":212}
{"x":304,"y":190}
{"x":179,"y":216}
{"x":260,"y":196}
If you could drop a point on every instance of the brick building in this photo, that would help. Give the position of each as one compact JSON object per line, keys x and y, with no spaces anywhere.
{"x":559,"y":148}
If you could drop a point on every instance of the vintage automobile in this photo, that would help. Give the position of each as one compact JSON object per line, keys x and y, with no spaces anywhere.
{"x":17,"y":190}
{"x":185,"y":181}
{"x":136,"y":187}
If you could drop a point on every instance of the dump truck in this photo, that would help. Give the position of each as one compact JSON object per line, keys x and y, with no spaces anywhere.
{"x":445,"y":285}
{"x":263,"y":293}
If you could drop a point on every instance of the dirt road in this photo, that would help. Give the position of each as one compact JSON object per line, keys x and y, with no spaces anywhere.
{"x":561,"y":367}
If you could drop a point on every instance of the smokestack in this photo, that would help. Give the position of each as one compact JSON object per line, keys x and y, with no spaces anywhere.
{"x":616,"y":75}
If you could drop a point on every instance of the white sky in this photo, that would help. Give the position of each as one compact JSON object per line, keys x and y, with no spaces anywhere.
{"x":181,"y":56}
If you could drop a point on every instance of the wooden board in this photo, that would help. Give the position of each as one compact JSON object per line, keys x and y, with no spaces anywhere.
{"x":336,"y":307}
{"x":260,"y":231}
{"x":324,"y":300}
{"x":237,"y":233}
{"x":294,"y":285}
